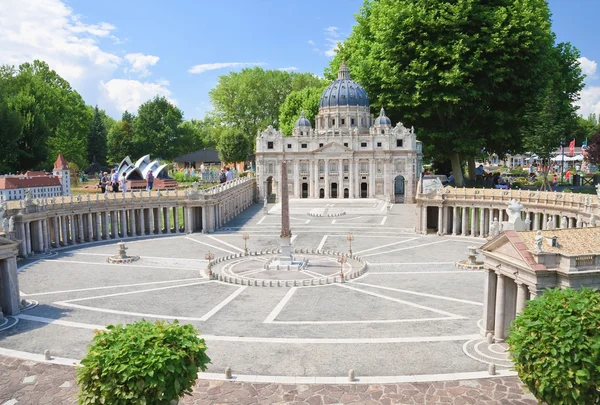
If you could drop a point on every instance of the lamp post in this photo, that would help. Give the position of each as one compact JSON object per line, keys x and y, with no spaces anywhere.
{"x":350,"y":238}
{"x":341,"y":260}
{"x":245,"y":237}
{"x":209,"y":256}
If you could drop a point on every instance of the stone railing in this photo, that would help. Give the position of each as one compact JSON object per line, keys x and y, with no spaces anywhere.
{"x":43,"y":224}
{"x":470,"y":212}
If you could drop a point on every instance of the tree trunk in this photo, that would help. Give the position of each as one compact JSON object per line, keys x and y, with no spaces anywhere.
{"x":457,"y":170}
{"x":546,"y":186}
{"x":471,"y":167}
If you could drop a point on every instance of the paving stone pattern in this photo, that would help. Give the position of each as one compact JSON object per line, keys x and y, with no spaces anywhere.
{"x":32,"y":383}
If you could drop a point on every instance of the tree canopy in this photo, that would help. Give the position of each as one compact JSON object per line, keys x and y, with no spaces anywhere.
{"x":462,"y":72}
{"x":97,"y":140}
{"x":234,"y":146}
{"x":306,"y":100}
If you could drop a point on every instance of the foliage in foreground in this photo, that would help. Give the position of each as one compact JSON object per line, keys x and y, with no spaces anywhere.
{"x":141,"y":363}
{"x":555,"y":344}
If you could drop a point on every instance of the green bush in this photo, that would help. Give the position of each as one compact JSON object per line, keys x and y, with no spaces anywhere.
{"x":141,"y":363}
{"x":555,"y":344}
{"x":516,"y":185}
{"x":181,"y":178}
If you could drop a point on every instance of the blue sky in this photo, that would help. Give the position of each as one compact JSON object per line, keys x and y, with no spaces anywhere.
{"x":118,"y":54}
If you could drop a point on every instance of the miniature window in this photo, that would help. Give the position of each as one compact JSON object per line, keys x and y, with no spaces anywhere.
{"x":320,"y":145}
{"x":304,"y":146}
{"x":346,"y":144}
{"x":398,"y":143}
{"x":332,"y":122}
{"x":269,"y":145}
{"x":289,"y":146}
{"x":351,"y":121}
{"x":379,"y":144}
{"x":363,"y":144}
{"x":343,"y":121}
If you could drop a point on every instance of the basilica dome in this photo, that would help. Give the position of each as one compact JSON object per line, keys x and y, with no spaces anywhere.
{"x":302,"y":121}
{"x":344,"y":91}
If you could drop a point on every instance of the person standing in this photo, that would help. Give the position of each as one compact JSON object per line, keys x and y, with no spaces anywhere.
{"x":149,"y":180}
{"x":123,"y":182}
{"x":228,"y":175}
{"x":104,"y":182}
{"x":114,"y":179}
{"x":222,"y":176}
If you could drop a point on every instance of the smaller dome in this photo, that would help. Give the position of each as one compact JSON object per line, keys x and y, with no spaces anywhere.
{"x":302,"y":121}
{"x":382,"y":119}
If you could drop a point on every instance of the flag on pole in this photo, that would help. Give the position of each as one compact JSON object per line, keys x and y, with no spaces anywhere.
{"x":572,"y":147}
{"x":584,"y":145}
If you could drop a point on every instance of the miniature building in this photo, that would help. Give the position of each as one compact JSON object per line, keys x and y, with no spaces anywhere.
{"x":348,"y":154}
{"x":41,"y":184}
{"x":520,"y":265}
{"x":194,"y":160}
{"x":135,"y":174}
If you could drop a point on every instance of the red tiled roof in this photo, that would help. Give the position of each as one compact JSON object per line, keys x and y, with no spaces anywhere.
{"x":61,"y":163}
{"x":16,"y":182}
{"x":35,"y":174}
{"x":515,"y":240}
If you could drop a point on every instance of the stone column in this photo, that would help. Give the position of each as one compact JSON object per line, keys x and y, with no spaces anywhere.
{"x":168,"y":219}
{"x":386,"y":180}
{"x":521,"y":297}
{"x":536,"y":221}
{"x":28,"y":238}
{"x":187,"y":219}
{"x":143,"y":221}
{"x":486,"y":222}
{"x":80,"y":227}
{"x":464,"y":230}
{"x":132,"y":222}
{"x":371,"y":177}
{"x":454,"y":220}
{"x":105,"y":230}
{"x":176,"y":219}
{"x":64,"y":232}
{"x":39,"y":235}
{"x":424,"y":220}
{"x":473,"y":222}
{"x":23,"y":244}
{"x":315,"y":178}
{"x":90,"y":223}
{"x":205,"y":222}
{"x":98,"y":226}
{"x":56,"y":229}
{"x":341,"y":179}
{"x":46,"y":235}
{"x":123,"y":223}
{"x":327,"y":185}
{"x":481,"y":222}
{"x":440,"y":221}
{"x":351,"y":177}
{"x":499,"y":317}
{"x":151,"y":221}
{"x":114,"y":228}
{"x":9,"y":295}
{"x":296,"y":178}
{"x":489,"y":302}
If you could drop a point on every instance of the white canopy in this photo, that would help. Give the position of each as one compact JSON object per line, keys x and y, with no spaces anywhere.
{"x":559,"y":158}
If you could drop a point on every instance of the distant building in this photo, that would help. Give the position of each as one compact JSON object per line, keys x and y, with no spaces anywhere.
{"x":41,"y":184}
{"x":349,"y":153}
{"x":136,"y":173}
{"x":194,"y":160}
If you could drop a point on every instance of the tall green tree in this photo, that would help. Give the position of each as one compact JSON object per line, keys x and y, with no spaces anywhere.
{"x":306,"y":100}
{"x":97,"y":140}
{"x":157,"y":130}
{"x":552,"y":116}
{"x":234,"y":146}
{"x":250,"y":99}
{"x":10,"y":127}
{"x":462,"y":72}
{"x":121,"y":139}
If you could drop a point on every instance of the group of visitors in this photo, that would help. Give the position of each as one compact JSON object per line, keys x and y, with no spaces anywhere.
{"x":225,"y":175}
{"x":113,"y":181}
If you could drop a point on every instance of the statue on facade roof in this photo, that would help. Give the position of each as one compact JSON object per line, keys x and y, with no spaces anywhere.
{"x":28,"y":200}
{"x":539,"y":239}
{"x":5,"y":225}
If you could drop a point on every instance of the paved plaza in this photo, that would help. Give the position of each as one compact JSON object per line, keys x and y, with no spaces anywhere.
{"x":412,"y":317}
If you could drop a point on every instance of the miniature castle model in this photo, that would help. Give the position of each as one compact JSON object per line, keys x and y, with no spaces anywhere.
{"x":40,"y":184}
{"x":348,"y":154}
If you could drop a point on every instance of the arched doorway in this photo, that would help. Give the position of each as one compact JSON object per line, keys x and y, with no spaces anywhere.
{"x":364,"y":190}
{"x":346,"y":193}
{"x":304,"y":190}
{"x":334,"y":190}
{"x":399,"y":189}
{"x":322,"y":193}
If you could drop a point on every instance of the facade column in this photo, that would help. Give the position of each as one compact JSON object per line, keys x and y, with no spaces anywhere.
{"x":98,"y":226}
{"x":371,"y":177}
{"x":499,"y":321}
{"x":386,"y":180}
{"x":39,"y":235}
{"x":454,"y":220}
{"x":80,"y":227}
{"x":72,"y":232}
{"x":23,"y":244}
{"x":424,"y":220}
{"x":114,"y":229}
{"x":440,"y":230}
{"x":56,"y":229}
{"x":296,"y":178}
{"x":473,"y":222}
{"x":341,"y":179}
{"x":46,"y":235}
{"x":464,"y":230}
{"x":132,"y":222}
{"x":486,"y":222}
{"x":327,"y":185}
{"x":521,"y":297}
{"x":315,"y":178}
{"x":187,"y":218}
{"x":168,"y":219}
{"x":142,"y":221}
{"x":63,"y":228}
{"x":176,"y":219}
{"x":151,"y":221}
{"x":204,"y":222}
{"x":351,"y":176}
{"x":90,"y":224}
{"x":9,"y":295}
{"x":489,"y":302}
{"x":536,"y":221}
{"x":123,"y":217}
{"x":28,"y":238}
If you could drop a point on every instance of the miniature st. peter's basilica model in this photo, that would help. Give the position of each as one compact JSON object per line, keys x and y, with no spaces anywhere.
{"x":348,"y":155}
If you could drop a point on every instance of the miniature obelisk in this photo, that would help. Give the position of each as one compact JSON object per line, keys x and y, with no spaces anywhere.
{"x":286,"y":233}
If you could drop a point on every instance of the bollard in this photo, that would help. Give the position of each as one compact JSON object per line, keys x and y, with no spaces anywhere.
{"x":489,"y":338}
{"x":47,"y":354}
{"x":351,"y":375}
{"x":228,"y":373}
{"x":492,"y":369}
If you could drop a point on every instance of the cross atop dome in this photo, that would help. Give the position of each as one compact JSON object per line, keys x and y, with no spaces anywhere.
{"x":344,"y":72}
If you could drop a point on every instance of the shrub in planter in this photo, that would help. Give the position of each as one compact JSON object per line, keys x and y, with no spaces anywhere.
{"x":555,"y":344}
{"x":141,"y":363}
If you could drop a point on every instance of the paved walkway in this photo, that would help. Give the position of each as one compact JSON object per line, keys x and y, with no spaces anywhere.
{"x":30,"y":383}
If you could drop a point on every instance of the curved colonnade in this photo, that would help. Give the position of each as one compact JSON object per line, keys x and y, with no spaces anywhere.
{"x":470,"y":212}
{"x":55,"y":223}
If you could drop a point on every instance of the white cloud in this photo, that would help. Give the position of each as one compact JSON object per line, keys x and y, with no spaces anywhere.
{"x":288,"y":69}
{"x":197,"y":69}
{"x":332,"y":32}
{"x":140,"y":63}
{"x":331,"y":46}
{"x":332,"y":39}
{"x":311,"y":42}
{"x":590,"y":101}
{"x":588,"y":67}
{"x":49,"y":30}
{"x":130,"y":94}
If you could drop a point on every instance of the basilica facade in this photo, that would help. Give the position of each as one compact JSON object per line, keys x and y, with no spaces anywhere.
{"x":349,"y":153}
